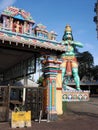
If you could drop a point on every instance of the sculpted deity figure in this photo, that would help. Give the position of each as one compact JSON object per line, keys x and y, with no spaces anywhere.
{"x":7,"y":25}
{"x":69,"y":65}
{"x":26,"y":27}
{"x":11,"y":24}
{"x":17,"y":27}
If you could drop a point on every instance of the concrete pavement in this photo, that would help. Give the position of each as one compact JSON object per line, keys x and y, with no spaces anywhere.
{"x":78,"y":116}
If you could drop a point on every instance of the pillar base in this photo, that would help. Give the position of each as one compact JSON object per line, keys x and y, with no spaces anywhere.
{"x":52,"y":116}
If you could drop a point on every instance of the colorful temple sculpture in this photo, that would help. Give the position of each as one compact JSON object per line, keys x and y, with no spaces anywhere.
{"x":70,"y":64}
{"x":21,"y":43}
{"x":13,"y":20}
{"x":69,"y":69}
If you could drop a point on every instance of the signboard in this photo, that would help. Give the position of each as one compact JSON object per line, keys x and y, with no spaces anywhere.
{"x":21,"y":119}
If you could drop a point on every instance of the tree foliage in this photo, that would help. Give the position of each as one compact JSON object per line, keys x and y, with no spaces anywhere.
{"x":95,"y":72}
{"x":40,"y":80}
{"x":86,"y":64}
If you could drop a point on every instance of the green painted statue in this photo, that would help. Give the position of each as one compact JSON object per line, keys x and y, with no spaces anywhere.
{"x":70,"y":65}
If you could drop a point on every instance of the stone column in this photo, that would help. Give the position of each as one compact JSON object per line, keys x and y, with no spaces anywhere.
{"x":50,"y":69}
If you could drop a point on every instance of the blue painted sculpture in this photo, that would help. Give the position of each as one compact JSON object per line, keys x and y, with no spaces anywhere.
{"x":70,"y":64}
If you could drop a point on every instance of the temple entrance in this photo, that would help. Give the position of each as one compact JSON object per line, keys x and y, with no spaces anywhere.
{"x":21,"y":43}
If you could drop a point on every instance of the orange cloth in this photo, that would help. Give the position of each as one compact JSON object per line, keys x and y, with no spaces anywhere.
{"x":68,"y":68}
{"x":69,"y":62}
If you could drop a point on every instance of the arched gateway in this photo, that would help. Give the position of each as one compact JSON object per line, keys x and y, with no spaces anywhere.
{"x":21,"y":43}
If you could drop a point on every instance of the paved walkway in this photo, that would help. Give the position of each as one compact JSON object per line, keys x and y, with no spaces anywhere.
{"x":78,"y":116}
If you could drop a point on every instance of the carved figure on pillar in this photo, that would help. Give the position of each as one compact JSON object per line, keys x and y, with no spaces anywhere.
{"x":26,"y":27}
{"x":69,"y":65}
{"x":11,"y":24}
{"x":17,"y":27}
{"x":21,"y":28}
{"x":7,"y":25}
{"x":14,"y":26}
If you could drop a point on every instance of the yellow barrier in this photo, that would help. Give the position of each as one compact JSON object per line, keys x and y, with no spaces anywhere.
{"x":21,"y":119}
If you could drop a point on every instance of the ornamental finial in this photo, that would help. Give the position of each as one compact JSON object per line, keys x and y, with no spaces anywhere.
{"x":68,"y":28}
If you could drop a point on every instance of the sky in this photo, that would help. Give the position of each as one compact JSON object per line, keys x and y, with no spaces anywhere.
{"x":56,"y":14}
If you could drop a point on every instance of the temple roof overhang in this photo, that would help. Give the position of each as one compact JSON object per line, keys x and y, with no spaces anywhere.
{"x":31,"y":41}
